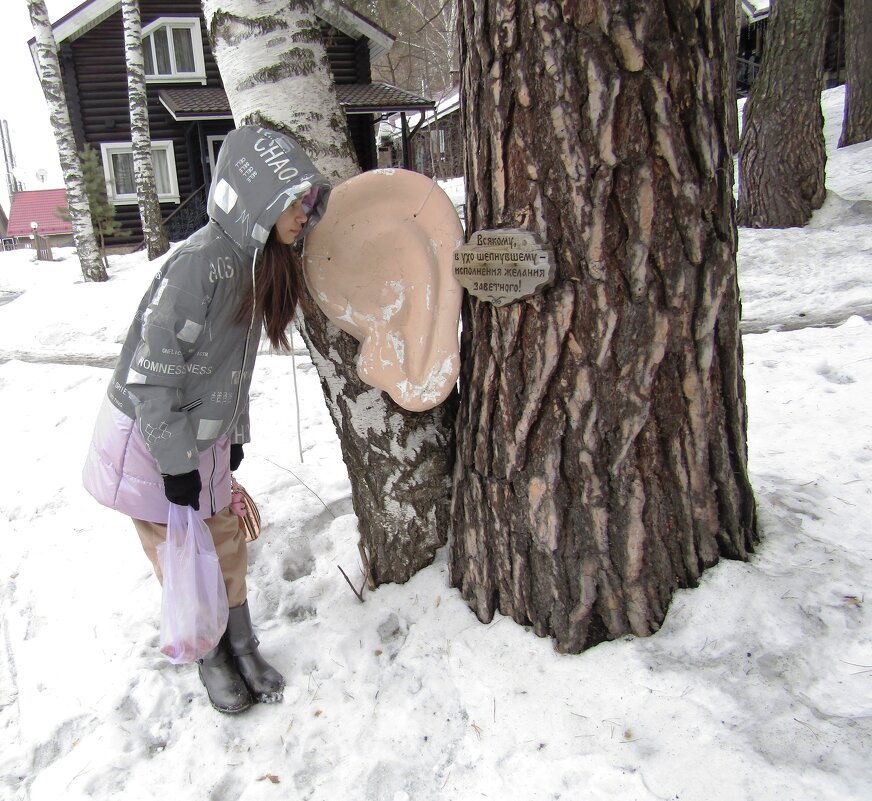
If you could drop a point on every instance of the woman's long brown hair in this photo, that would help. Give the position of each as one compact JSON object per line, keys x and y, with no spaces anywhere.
{"x":277,"y":290}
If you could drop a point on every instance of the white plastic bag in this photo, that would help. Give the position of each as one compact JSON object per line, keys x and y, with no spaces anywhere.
{"x":194,"y":607}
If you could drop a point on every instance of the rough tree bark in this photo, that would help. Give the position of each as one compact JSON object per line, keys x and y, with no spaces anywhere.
{"x":275,"y":72}
{"x":730,"y":66}
{"x":857,"y":125}
{"x":782,"y":155}
{"x":51,"y":79}
{"x":601,"y":453}
{"x":140,"y":132}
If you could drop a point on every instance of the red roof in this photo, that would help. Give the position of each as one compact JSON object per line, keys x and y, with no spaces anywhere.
{"x":38,"y":205}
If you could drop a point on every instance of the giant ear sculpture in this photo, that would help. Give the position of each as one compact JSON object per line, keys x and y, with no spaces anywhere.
{"x":379,"y":264}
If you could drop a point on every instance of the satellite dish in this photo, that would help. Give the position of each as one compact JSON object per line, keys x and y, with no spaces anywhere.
{"x":41,"y":175}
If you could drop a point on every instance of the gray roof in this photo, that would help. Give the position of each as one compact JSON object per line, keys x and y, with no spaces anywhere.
{"x":196,"y":103}
{"x":362,"y":97}
{"x":202,"y":103}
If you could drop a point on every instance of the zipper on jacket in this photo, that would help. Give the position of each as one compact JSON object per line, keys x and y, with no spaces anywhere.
{"x":247,"y":336}
{"x":212,"y":503}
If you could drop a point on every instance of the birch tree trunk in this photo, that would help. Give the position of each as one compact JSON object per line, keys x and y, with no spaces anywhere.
{"x":51,"y":79}
{"x":140,"y":133}
{"x":857,"y":125}
{"x":601,"y":452}
{"x":782,"y":155}
{"x":275,"y":72}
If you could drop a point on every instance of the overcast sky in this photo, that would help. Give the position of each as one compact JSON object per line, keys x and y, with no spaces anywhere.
{"x":22,"y":104}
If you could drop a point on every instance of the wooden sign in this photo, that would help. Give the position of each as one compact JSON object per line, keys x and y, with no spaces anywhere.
{"x":504,"y":265}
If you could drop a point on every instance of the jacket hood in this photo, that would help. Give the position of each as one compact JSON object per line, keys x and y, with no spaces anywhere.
{"x":259,"y":173}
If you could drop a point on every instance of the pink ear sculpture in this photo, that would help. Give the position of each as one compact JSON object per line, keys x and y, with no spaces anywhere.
{"x":379,"y":264}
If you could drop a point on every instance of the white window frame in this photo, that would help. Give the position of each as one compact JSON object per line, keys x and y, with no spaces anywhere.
{"x":211,"y":141}
{"x":193,"y":25}
{"x":108,"y":149}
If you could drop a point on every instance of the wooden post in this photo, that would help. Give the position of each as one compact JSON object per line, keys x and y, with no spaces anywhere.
{"x":407,"y":144}
{"x":43,"y":249}
{"x":41,"y":243}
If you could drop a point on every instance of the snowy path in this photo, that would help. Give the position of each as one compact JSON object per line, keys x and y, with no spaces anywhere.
{"x":826,"y":319}
{"x":53,"y":357}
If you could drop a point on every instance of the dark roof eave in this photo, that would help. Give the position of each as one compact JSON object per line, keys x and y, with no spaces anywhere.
{"x":181,"y":116}
{"x":194,"y":116}
{"x":351,"y":108}
{"x":211,"y":103}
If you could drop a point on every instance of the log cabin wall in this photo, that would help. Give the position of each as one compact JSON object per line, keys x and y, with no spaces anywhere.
{"x":350,"y":63}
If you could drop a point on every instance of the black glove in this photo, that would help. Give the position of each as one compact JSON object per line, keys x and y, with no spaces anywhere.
{"x":184,"y":489}
{"x":236,"y":457}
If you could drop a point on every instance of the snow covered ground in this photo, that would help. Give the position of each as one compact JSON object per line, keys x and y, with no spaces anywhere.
{"x":758,"y":686}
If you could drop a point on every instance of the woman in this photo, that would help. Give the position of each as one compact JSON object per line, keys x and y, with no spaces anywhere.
{"x":176,"y":415}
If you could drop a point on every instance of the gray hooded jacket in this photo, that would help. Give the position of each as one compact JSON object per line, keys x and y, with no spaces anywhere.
{"x":185,"y":368}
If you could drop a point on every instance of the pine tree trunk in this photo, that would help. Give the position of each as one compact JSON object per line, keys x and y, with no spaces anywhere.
{"x":857,"y":125}
{"x":140,"y":131}
{"x":601,"y":452}
{"x":399,"y":463}
{"x":782,"y":155}
{"x":51,"y":80}
{"x":729,"y":64}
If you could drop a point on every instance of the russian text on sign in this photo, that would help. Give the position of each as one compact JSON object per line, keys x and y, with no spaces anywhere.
{"x":504,"y":265}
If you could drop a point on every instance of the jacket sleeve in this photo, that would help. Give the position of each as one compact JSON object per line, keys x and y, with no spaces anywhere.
{"x":173,"y":324}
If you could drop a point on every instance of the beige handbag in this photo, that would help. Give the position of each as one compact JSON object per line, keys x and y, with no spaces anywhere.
{"x":244,"y":506}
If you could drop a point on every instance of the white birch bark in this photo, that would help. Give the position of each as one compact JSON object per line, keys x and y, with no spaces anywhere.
{"x":140,"y":133}
{"x":275,"y":72}
{"x":51,"y":80}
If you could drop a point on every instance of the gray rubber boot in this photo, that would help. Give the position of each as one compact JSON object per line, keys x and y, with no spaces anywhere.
{"x":263,"y":681}
{"x":219,"y":674}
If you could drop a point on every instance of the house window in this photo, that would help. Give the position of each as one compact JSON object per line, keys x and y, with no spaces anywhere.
{"x":214,"y":145}
{"x":437,"y":141}
{"x":173,"y":50}
{"x":118,"y":169}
